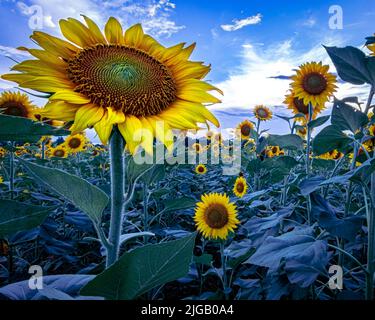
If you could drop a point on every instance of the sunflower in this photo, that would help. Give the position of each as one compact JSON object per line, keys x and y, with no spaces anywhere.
{"x":371,"y":130}
{"x":200,"y":169}
{"x":262,"y":113}
{"x":240,"y":187}
{"x":125,"y":79}
{"x":313,"y":83}
{"x":75,"y":143}
{"x":2,"y":152}
{"x":16,"y":104}
{"x":197,"y":147}
{"x":302,"y":132}
{"x":216,"y":216}
{"x":331,"y":155}
{"x":274,"y":151}
{"x":371,"y":47}
{"x":245,"y":128}
{"x":59,"y":152}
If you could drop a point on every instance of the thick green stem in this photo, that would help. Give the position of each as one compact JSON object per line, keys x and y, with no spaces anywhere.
{"x":224,"y":269}
{"x":308,"y":146}
{"x":117,"y":167}
{"x":12,"y":171}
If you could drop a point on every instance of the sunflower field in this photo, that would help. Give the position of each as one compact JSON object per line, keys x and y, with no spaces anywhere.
{"x":86,"y":219}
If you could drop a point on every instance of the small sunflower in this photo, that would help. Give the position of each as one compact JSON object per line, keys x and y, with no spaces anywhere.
{"x":75,"y":143}
{"x":197,"y":147}
{"x":16,"y":104}
{"x":299,"y":107}
{"x":240,"y":187}
{"x":200,"y":169}
{"x":59,"y":152}
{"x":216,"y":216}
{"x":274,"y":151}
{"x":371,"y":130}
{"x":2,"y":152}
{"x":122,"y":78}
{"x":331,"y":155}
{"x":245,"y":128}
{"x":262,"y":113}
{"x":302,"y":132}
{"x":313,"y":83}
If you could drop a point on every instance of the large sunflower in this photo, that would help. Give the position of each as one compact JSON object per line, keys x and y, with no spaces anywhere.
{"x":240,"y":187}
{"x":262,"y":113}
{"x":58,"y":152}
{"x":216,"y":216}
{"x":117,"y":78}
{"x":313,"y":83}
{"x":16,"y":104}
{"x":299,"y":107}
{"x":75,"y":143}
{"x":245,"y":128}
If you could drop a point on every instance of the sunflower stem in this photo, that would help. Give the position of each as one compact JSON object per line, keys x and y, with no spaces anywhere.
{"x":12,"y":171}
{"x":117,"y":172}
{"x":308,"y":145}
{"x":224,"y":269}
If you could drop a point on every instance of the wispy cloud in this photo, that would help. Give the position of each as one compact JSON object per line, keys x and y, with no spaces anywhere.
{"x":12,"y":52}
{"x":155,"y":15}
{"x":239,"y":24}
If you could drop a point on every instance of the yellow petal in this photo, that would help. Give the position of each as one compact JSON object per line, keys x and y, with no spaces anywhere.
{"x":113,"y":31}
{"x":105,"y":126}
{"x":131,"y":130}
{"x":87,"y":116}
{"x":76,"y":32}
{"x":70,"y":96}
{"x":95,"y":31}
{"x":134,"y":35}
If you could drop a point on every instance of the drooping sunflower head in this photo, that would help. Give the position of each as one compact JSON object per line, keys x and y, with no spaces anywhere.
{"x":200,"y":169}
{"x":245,"y":128}
{"x":297,"y":106}
{"x":16,"y":104}
{"x":216,"y":216}
{"x":313,"y":83}
{"x":75,"y":143}
{"x":118,"y":78}
{"x":240,"y":187}
{"x":262,"y":113}
{"x":58,"y":152}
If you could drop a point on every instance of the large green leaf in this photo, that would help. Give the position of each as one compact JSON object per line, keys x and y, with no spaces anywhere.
{"x":350,"y":63}
{"x":17,"y":216}
{"x":288,"y":141}
{"x":85,"y":196}
{"x":142,"y":269}
{"x":22,"y":129}
{"x":179,"y":204}
{"x":345,"y":117}
{"x":330,"y":138}
{"x":318,"y":122}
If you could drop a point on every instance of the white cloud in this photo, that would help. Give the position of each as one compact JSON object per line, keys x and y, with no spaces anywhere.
{"x":155,"y":15}
{"x":310,"y":22}
{"x":239,"y":24}
{"x":11,"y":52}
{"x":259,"y":77}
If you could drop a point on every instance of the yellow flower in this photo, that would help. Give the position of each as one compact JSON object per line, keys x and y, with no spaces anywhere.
{"x":16,"y":104}
{"x":274,"y":151}
{"x":371,"y":47}
{"x":371,"y":130}
{"x":75,"y":143}
{"x":245,"y":128}
{"x":200,"y":169}
{"x":299,"y":107}
{"x":313,"y":83}
{"x":197,"y":147}
{"x":216,"y":216}
{"x":240,"y":187}
{"x":1,"y":179}
{"x":2,"y":152}
{"x":302,"y":132}
{"x":118,"y":78}
{"x":262,"y":113}
{"x":59,"y":152}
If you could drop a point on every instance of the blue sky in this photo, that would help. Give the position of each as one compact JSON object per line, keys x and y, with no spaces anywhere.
{"x":248,"y":43}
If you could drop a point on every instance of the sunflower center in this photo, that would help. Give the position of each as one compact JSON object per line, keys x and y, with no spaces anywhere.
{"x":14,"y":109}
{"x":59,"y":153}
{"x":262,"y":113}
{"x":240,"y":187}
{"x":301,"y":107}
{"x":216,"y":216}
{"x":124,"y":78}
{"x":74,"y":143}
{"x":314,"y":83}
{"x":200,"y":169}
{"x":245,"y":130}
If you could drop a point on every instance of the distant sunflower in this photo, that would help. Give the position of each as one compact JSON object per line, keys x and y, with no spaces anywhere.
{"x":262,"y":113}
{"x":2,"y":152}
{"x":216,"y":216}
{"x":302,"y":132}
{"x":59,"y":152}
{"x":54,"y":123}
{"x":16,"y":104}
{"x":299,"y":107}
{"x":197,"y":147}
{"x":331,"y":155}
{"x":274,"y":151}
{"x":200,"y":169}
{"x":245,"y":128}
{"x":240,"y":187}
{"x":371,"y":130}
{"x":313,"y":83}
{"x":75,"y":143}
{"x":118,"y":78}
